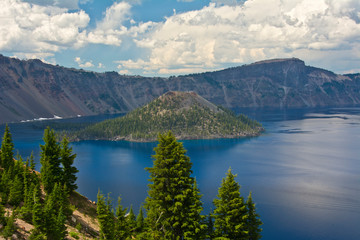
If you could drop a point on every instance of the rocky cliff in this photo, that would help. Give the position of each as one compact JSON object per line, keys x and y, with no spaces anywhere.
{"x":33,"y":89}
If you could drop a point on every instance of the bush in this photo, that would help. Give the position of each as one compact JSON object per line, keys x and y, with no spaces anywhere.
{"x":74,"y":235}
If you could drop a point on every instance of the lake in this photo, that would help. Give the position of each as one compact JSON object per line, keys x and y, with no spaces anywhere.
{"x":304,"y":171}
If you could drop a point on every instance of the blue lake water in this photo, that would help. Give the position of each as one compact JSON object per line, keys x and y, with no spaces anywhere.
{"x":304,"y":171}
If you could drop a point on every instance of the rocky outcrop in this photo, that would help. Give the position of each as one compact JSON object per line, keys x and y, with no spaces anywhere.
{"x":32,"y":89}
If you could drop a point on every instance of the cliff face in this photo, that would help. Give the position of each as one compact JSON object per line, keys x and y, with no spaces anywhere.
{"x":281,"y":83}
{"x":32,"y":89}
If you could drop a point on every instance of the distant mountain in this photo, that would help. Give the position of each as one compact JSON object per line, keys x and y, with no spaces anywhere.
{"x":186,"y":114}
{"x":33,"y":89}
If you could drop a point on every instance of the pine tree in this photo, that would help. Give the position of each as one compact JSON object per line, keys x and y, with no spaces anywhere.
{"x":6,"y":180}
{"x":170,"y":211}
{"x":2,"y":215}
{"x":54,"y":213}
{"x":105,"y":217}
{"x":32,"y":162}
{"x":50,"y":160}
{"x":36,"y":234}
{"x":7,"y":150}
{"x":253,"y":221}
{"x":210,"y":227}
{"x":33,"y":177}
{"x":16,"y":191}
{"x":121,"y":226}
{"x":57,"y":199}
{"x":230,"y":212}
{"x":27,"y":208}
{"x":140,"y":223}
{"x":67,"y":161}
{"x":196,"y":228}
{"x":59,"y":230}
{"x":18,"y":167}
{"x":26,"y":182}
{"x":37,"y":212}
{"x":10,"y":227}
{"x":131,"y":220}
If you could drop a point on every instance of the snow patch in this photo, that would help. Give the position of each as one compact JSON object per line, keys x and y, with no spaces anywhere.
{"x":42,"y":119}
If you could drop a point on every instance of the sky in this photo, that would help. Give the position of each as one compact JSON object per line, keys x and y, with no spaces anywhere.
{"x":176,"y":37}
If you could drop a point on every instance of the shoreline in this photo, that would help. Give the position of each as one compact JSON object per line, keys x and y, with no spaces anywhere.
{"x":178,"y":137}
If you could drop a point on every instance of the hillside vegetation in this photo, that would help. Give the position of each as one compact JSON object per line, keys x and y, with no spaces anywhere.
{"x":43,"y":205}
{"x":186,"y":114}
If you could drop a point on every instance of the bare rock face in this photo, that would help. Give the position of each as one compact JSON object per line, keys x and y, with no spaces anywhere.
{"x":32,"y":89}
{"x":279,"y":83}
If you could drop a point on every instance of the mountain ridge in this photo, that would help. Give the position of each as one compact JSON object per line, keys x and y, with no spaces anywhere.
{"x":32,"y":89}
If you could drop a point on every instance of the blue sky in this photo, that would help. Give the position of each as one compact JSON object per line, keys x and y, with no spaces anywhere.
{"x":172,"y":37}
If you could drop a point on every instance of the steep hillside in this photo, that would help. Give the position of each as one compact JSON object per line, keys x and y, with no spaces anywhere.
{"x":32,"y":89}
{"x":83,"y":223}
{"x":186,"y":114}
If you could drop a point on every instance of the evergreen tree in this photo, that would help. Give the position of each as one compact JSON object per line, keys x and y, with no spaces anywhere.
{"x":10,"y":228}
{"x":7,"y":150}
{"x":50,"y":160}
{"x":54,"y":213}
{"x":32,"y":162}
{"x":105,"y":217}
{"x":36,"y":234}
{"x":16,"y":191}
{"x":121,"y":226}
{"x":173,"y":203}
{"x":196,"y":228}
{"x":5,"y":185}
{"x":37,"y":212}
{"x":67,"y":161}
{"x":27,"y":208}
{"x":33,"y":178}
{"x":26,"y":182}
{"x":140,"y":223}
{"x":59,"y":228}
{"x":2,"y":215}
{"x":131,"y":220}
{"x":253,"y":221}
{"x":210,"y":227}
{"x":17,"y":170}
{"x":230,"y":212}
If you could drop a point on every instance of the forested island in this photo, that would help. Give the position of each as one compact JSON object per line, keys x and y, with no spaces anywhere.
{"x":44,"y":205}
{"x":186,"y":114}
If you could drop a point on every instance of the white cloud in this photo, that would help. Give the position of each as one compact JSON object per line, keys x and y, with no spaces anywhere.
{"x":40,"y":28}
{"x":221,"y":34}
{"x":125,"y":72}
{"x":37,"y":30}
{"x":100,"y":65}
{"x":83,"y":65}
{"x":68,"y":4}
{"x":111,"y":30}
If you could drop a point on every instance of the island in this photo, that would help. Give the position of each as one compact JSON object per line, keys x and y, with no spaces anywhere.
{"x":186,"y":114}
